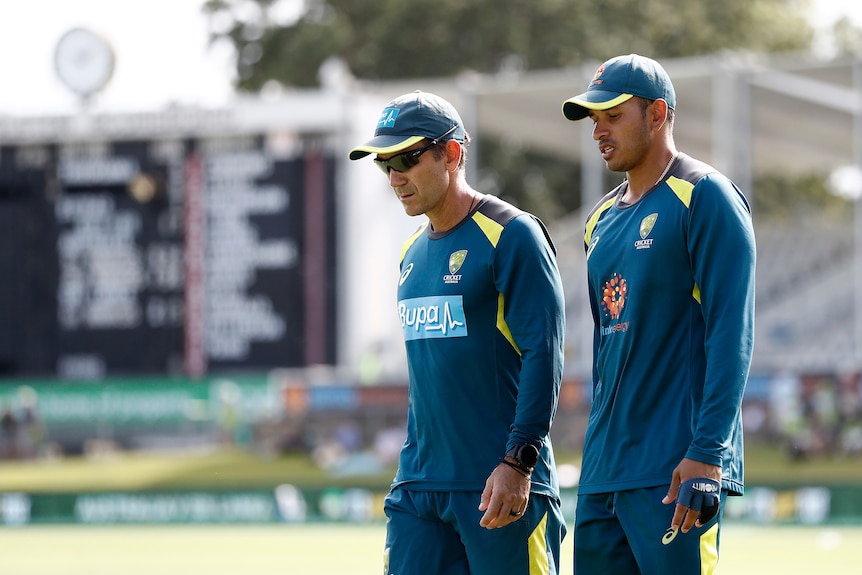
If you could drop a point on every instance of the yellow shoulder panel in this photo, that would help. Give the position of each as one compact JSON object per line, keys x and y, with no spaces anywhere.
{"x":489,"y":227}
{"x":591,"y":223}
{"x":682,"y":189}
{"x":409,"y":241}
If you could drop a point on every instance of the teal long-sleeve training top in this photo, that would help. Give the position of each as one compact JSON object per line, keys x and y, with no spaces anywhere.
{"x":671,"y":285}
{"x":482,"y":310}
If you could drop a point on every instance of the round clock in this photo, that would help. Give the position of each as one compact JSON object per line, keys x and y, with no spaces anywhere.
{"x":84,"y":61}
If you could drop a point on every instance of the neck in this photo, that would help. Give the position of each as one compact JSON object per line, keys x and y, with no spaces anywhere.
{"x":455,"y":212}
{"x":649,"y":175}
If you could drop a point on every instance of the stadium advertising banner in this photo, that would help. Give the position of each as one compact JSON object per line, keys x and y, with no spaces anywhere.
{"x":154,"y":401}
{"x":289,"y":504}
{"x":165,"y":256}
{"x":284,"y":504}
{"x":145,"y":402}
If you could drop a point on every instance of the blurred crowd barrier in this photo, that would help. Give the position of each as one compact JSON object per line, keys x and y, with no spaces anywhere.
{"x":350,"y":428}
{"x":808,"y":415}
{"x":353,"y":430}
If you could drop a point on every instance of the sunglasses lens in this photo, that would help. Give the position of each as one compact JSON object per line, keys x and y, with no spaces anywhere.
{"x":403,"y":162}
{"x":400,"y":163}
{"x":383,"y":165}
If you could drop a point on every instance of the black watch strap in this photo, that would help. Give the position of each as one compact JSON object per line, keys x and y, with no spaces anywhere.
{"x":525,"y":472}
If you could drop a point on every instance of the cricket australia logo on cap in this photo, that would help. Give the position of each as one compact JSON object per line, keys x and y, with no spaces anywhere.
{"x":387,"y":118}
{"x":456,"y":260}
{"x":647,"y":225}
{"x":598,"y":75}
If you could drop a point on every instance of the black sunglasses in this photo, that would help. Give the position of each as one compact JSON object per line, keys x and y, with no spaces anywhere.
{"x":406,"y":160}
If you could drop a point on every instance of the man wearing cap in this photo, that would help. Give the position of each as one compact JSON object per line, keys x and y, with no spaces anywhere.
{"x":670,"y":265}
{"x":481,"y":305}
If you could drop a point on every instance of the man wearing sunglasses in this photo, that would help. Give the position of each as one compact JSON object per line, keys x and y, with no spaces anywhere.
{"x":481,"y":305}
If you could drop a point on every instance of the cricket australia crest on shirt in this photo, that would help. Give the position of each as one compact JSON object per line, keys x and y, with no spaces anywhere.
{"x":647,"y":225}
{"x":456,"y":260}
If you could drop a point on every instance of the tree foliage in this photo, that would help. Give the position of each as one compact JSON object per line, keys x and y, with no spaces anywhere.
{"x":847,"y":36}
{"x":397,"y":39}
{"x":400,"y":39}
{"x":781,"y":197}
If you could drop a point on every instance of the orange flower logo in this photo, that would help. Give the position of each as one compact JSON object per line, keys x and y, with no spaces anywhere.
{"x":597,"y":76}
{"x":614,"y":296}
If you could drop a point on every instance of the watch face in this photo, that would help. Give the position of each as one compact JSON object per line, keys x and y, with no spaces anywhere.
{"x":529,"y":455}
{"x":84,"y":61}
{"x":525,"y":454}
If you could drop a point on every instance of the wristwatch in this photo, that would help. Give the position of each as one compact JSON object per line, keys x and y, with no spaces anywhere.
{"x":525,"y":455}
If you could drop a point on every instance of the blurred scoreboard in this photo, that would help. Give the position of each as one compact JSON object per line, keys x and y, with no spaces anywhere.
{"x":165,"y":256}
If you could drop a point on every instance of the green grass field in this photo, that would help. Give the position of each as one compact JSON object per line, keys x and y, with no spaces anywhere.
{"x":232,"y":469}
{"x":330,"y":549}
{"x":322,"y":549}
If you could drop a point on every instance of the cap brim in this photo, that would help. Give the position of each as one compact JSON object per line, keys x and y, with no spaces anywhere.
{"x":578,"y":107}
{"x":384,"y":145}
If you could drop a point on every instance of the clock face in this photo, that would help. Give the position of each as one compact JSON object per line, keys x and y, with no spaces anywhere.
{"x":84,"y":61}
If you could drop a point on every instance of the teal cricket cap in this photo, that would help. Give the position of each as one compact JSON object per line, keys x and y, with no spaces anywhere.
{"x":409,"y":119}
{"x":618,"y":80}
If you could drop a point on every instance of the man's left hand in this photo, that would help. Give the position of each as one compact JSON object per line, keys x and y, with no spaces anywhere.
{"x":505,"y":498}
{"x":685,"y":517}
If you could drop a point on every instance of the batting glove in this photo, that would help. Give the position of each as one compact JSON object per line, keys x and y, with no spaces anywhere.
{"x":701,"y":494}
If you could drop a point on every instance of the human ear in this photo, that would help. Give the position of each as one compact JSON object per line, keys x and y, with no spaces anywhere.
{"x":453,"y":155}
{"x":659,"y":116}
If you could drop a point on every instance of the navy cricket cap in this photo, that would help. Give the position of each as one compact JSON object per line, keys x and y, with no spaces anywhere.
{"x":409,"y":119}
{"x":618,"y":80}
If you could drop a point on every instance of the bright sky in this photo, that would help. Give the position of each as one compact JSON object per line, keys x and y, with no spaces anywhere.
{"x":160,"y":48}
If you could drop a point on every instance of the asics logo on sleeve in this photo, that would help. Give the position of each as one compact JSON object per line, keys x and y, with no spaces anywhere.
{"x":405,"y":273}
{"x":433,"y":317}
{"x":593,"y":243}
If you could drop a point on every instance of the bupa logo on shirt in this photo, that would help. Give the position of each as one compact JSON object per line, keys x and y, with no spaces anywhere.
{"x":433,"y":317}
{"x":387,"y":118}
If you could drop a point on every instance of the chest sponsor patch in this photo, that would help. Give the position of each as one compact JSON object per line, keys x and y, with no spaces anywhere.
{"x":433,"y":317}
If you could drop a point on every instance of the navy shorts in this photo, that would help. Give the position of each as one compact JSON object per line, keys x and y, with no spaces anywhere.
{"x":627,"y":532}
{"x":438,"y":533}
